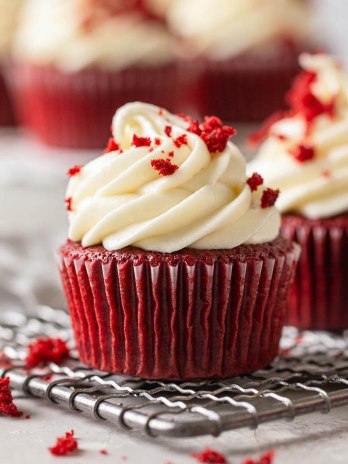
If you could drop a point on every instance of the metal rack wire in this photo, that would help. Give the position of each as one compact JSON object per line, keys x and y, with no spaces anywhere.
{"x":312,"y":375}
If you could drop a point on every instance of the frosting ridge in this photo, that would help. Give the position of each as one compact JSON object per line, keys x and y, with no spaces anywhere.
{"x":121,"y":199}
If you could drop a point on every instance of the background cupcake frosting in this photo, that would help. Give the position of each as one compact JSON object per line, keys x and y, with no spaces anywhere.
{"x":81,"y":33}
{"x":221,"y":29}
{"x":205,"y":202}
{"x":8,"y":22}
{"x":306,"y":153}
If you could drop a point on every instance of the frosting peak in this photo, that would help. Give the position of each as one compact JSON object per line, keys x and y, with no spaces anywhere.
{"x":169,"y":183}
{"x":305,"y":153}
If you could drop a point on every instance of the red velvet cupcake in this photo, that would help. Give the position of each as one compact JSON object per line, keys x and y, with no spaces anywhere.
{"x":242,"y":53}
{"x":306,"y":155}
{"x":75,"y":61}
{"x":173,"y":268}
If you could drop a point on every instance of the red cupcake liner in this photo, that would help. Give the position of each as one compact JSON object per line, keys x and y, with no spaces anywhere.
{"x":247,"y":88}
{"x":319,"y":296}
{"x":7,"y":117}
{"x":75,"y":109}
{"x":192,"y":314}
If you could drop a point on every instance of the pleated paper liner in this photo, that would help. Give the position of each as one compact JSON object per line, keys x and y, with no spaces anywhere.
{"x":185,"y":315}
{"x":319,"y":296}
{"x":7,"y":117}
{"x":75,"y":109}
{"x":247,"y":88}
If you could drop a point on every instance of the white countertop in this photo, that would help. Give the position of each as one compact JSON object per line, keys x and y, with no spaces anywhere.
{"x":33,"y":223}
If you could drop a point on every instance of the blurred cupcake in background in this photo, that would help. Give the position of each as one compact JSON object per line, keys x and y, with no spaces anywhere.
{"x":306,"y":155}
{"x":8,"y":22}
{"x":244,"y":52}
{"x":76,"y":60}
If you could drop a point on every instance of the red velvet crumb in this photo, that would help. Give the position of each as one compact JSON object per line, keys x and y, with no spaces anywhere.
{"x":168,"y":131}
{"x":64,"y":445}
{"x":141,"y":141}
{"x":5,"y":361}
{"x":165,"y":167}
{"x":255,"y":181}
{"x":210,"y":456}
{"x":303,"y":101}
{"x":266,"y":458}
{"x":269,"y":197}
{"x":7,"y":406}
{"x":181,"y":140}
{"x":213,"y":132}
{"x":74,"y":170}
{"x":111,"y":146}
{"x":158,"y":141}
{"x":68,"y":202}
{"x":27,"y":416}
{"x":326,"y":173}
{"x":104,"y":452}
{"x":46,"y":350}
{"x":303,"y":153}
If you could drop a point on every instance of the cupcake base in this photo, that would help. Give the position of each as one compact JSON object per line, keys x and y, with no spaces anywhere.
{"x":247,"y":88}
{"x":75,"y":110}
{"x":319,"y":296}
{"x":6,"y":112}
{"x":184,"y":315}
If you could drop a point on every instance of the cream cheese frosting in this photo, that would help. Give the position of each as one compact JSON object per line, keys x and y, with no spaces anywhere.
{"x":8,"y":21}
{"x":222,"y":29}
{"x":56,"y":32}
{"x":167,"y":184}
{"x":306,"y":151}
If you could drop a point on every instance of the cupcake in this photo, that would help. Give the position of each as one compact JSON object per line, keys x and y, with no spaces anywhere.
{"x":306,"y":154}
{"x":244,"y":53}
{"x":8,"y":21}
{"x":173,"y":268}
{"x":76,"y":60}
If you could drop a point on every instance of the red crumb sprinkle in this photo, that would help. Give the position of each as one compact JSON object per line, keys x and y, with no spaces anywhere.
{"x":213,"y":133}
{"x":7,"y":406}
{"x":181,"y":140}
{"x":168,"y":131}
{"x":157,"y":141}
{"x":171,"y":154}
{"x":281,"y":137}
{"x":104,"y":452}
{"x":165,"y":167}
{"x":124,"y":458}
{"x":160,"y":111}
{"x":303,"y":153}
{"x":141,"y":141}
{"x":111,"y":146}
{"x":74,"y":170}
{"x":255,"y":181}
{"x":64,"y":445}
{"x":210,"y":456}
{"x":27,"y":416}
{"x":302,"y":100}
{"x":269,"y":197}
{"x":68,"y":202}
{"x":266,"y":458}
{"x":46,"y":350}
{"x":184,"y":117}
{"x":326,"y":173}
{"x":48,"y":377}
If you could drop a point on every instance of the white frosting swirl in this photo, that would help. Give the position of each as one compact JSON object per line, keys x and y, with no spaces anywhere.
{"x":316,"y":188}
{"x":222,"y":29}
{"x":119,"y":199}
{"x":8,"y":21}
{"x":53,"y":33}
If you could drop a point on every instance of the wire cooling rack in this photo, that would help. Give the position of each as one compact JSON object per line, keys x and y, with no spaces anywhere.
{"x":311,"y":375}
